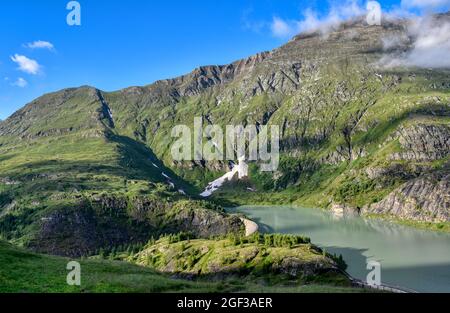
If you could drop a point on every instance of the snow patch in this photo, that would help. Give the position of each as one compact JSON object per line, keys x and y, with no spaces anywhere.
{"x":110,"y":114}
{"x":241,"y":170}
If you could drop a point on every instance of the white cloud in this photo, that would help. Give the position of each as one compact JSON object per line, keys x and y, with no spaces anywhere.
{"x":20,"y":82}
{"x":310,"y":21}
{"x":431,"y":46}
{"x":313,"y":21}
{"x":39,"y":44}
{"x":425,"y":4}
{"x":281,"y":28}
{"x":393,"y":42}
{"x":26,"y":65}
{"x":338,"y":12}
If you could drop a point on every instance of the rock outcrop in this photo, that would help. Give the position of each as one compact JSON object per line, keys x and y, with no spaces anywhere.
{"x":341,"y":210}
{"x":110,"y":221}
{"x":423,"y":143}
{"x":423,"y":199}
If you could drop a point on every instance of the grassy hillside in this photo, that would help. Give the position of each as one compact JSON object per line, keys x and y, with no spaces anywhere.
{"x":74,"y":190}
{"x":22,"y":271}
{"x":82,"y":169}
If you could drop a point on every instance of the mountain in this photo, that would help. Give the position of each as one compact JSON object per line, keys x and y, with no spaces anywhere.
{"x":71,"y":184}
{"x":82,"y":168}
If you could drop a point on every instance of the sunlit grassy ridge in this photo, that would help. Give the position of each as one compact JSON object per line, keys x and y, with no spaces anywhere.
{"x":258,"y":255}
{"x":22,"y":271}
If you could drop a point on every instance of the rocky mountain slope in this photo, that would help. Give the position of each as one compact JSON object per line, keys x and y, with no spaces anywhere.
{"x":353,"y":133}
{"x":425,"y":199}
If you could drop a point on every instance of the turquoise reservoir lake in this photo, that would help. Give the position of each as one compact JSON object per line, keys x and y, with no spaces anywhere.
{"x":409,"y":257}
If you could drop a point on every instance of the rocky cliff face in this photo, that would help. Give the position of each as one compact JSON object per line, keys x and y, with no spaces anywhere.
{"x":110,"y":221}
{"x":423,"y":199}
{"x":423,"y":143}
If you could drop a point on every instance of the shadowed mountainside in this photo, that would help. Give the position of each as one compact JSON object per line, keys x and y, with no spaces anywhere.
{"x":352,"y":133}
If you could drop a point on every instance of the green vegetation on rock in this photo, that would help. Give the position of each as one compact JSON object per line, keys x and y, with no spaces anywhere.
{"x":22,"y":271}
{"x":270,"y":256}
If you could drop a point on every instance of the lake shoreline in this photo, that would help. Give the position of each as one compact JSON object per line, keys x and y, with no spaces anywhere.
{"x":360,"y":240}
{"x":443,"y":227}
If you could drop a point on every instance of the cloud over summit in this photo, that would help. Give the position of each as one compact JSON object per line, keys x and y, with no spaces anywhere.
{"x":430,"y":45}
{"x":313,"y":21}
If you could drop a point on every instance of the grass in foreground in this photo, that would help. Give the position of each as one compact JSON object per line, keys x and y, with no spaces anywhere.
{"x":25,"y":272}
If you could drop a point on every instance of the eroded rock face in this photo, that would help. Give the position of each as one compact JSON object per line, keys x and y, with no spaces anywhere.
{"x":110,"y":221}
{"x":423,"y":143}
{"x":295,"y":267}
{"x":423,"y":199}
{"x":81,"y":230}
{"x":341,"y":210}
{"x":342,"y":155}
{"x":205,"y":223}
{"x":396,"y":170}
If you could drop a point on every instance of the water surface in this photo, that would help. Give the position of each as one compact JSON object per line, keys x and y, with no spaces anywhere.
{"x":410,"y":258}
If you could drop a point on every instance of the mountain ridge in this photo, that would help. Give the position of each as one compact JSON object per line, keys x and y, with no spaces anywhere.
{"x":352,"y":134}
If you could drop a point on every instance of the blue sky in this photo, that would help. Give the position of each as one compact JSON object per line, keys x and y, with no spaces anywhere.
{"x":135,"y":42}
